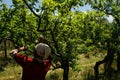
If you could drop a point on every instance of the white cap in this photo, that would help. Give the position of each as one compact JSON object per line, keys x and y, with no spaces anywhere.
{"x":43,"y":50}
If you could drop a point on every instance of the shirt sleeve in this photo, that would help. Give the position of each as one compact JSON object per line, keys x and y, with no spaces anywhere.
{"x":47,"y":63}
{"x":20,"y":59}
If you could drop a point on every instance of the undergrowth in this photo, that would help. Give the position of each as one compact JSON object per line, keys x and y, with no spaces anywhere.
{"x":9,"y":70}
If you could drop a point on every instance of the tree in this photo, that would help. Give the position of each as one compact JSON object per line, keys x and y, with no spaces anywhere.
{"x":18,"y":25}
{"x":109,"y":7}
{"x":59,"y":25}
{"x":4,"y":25}
{"x":67,"y":32}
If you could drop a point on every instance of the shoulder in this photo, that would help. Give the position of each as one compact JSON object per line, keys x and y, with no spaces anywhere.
{"x":23,"y":57}
{"x":49,"y":59}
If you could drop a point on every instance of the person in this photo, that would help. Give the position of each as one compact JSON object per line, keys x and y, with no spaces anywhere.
{"x":34,"y":68}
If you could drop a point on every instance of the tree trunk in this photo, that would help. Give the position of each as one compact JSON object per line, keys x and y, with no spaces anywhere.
{"x":5,"y":48}
{"x":107,"y":60}
{"x":96,"y":71}
{"x":118,"y":62}
{"x":66,"y":70}
{"x":108,"y":63}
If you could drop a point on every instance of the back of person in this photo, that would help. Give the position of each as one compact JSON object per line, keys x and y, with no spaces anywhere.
{"x":33,"y":69}
{"x":37,"y":67}
{"x":30,"y":70}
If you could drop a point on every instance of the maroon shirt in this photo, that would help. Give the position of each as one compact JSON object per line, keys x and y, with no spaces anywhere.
{"x":32,"y":69}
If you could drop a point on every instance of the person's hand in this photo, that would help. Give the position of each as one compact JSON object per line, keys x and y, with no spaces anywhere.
{"x":22,"y":48}
{"x":14,"y":51}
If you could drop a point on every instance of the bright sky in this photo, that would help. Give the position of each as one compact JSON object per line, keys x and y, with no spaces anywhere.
{"x":110,"y":18}
{"x":85,"y":8}
{"x":8,"y":2}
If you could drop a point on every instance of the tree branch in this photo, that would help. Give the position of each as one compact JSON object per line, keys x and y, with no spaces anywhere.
{"x":31,"y":9}
{"x":43,"y":30}
{"x":56,"y":45}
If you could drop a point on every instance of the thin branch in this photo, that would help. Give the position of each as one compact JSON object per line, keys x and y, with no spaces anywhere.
{"x":56,"y":66}
{"x":56,"y":45}
{"x":43,"y":30}
{"x":39,"y":22}
{"x":31,"y":9}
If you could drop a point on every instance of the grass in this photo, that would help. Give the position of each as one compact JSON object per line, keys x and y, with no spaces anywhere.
{"x":9,"y":70}
{"x":86,"y":62}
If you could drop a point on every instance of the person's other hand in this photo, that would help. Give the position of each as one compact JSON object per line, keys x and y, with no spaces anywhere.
{"x":23,"y":48}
